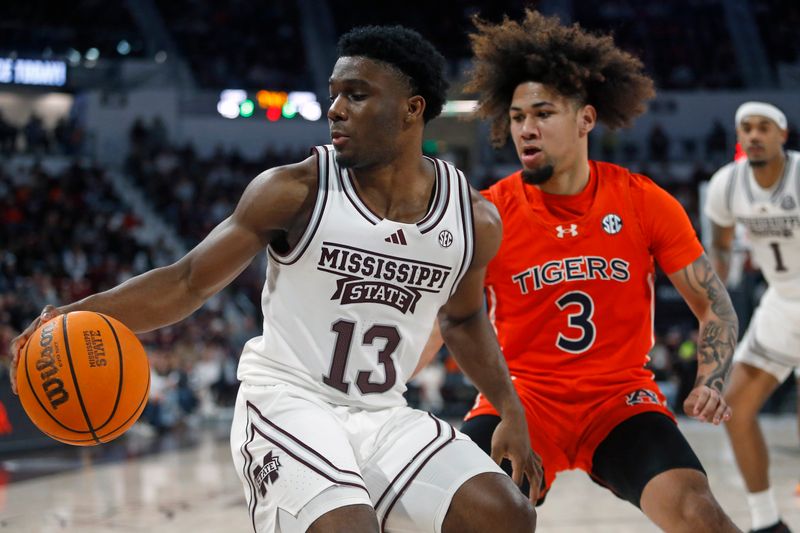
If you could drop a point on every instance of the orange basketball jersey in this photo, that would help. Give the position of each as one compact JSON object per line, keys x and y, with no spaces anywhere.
{"x":570,"y":291}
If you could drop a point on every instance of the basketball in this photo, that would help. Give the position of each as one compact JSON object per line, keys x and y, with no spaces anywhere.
{"x":83,"y":378}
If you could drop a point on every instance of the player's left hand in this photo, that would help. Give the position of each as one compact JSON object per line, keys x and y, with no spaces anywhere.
{"x":511,"y":441}
{"x":707,"y":404}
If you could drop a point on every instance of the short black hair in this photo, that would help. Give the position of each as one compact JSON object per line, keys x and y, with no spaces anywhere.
{"x":407,"y":51}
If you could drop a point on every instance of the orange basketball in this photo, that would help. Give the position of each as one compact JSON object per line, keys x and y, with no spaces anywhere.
{"x":83,"y":378}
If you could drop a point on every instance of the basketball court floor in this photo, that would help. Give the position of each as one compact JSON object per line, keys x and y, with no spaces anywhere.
{"x":186,"y":483}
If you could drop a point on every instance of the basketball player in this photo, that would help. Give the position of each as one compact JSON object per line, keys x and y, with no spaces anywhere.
{"x":571,"y":289}
{"x":761,"y":192}
{"x":367,"y":240}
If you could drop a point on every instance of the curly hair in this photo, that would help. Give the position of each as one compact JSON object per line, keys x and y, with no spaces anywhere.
{"x":584,"y":67}
{"x":407,"y":51}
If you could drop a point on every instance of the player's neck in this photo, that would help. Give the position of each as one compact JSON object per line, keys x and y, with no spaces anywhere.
{"x":399,"y":190}
{"x":769,"y":174}
{"x":570,"y":181}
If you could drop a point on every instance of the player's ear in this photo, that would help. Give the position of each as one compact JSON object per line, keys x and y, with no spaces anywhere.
{"x":415,"y":108}
{"x":587,"y":119}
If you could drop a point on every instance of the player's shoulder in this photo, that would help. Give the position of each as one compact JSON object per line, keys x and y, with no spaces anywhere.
{"x":503,"y":189}
{"x":291,"y":179}
{"x":488,"y":228}
{"x":793,"y":156}
{"x":484,"y":212}
{"x":613,"y":172}
{"x":725,"y":172}
{"x":286,"y":192}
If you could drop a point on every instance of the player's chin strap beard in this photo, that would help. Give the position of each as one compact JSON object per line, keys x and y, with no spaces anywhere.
{"x":538,"y":176}
{"x":763,"y":163}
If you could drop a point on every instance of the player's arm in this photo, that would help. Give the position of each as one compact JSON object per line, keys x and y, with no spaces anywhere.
{"x":269,"y":206}
{"x":718,"y":211}
{"x":470,"y":338}
{"x":431,"y":348}
{"x":719,"y":327}
{"x":674,"y":244}
{"x":721,"y":247}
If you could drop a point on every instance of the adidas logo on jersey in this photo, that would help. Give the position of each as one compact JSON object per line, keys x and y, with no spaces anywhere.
{"x":571,"y":230}
{"x":398,"y":237}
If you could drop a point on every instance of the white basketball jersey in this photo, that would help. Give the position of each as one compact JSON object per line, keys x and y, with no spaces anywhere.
{"x":349,"y":310}
{"x":771,"y":217}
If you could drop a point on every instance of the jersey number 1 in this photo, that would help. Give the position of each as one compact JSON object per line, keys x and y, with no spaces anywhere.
{"x":779,"y":266}
{"x":344,"y":339}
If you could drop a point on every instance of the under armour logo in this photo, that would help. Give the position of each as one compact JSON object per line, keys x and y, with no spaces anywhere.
{"x":572,"y":230}
{"x":612,"y":224}
{"x":266,"y":473}
{"x":398,"y":237}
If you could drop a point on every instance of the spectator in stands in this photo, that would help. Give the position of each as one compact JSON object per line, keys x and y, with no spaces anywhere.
{"x":717,"y":142}
{"x":659,"y":144}
{"x":8,"y":136}
{"x":36,"y":140}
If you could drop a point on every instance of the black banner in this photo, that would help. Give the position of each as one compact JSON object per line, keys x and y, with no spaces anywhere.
{"x":17,"y":432}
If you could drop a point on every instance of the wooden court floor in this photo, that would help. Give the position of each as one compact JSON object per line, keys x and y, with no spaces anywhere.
{"x":184,"y":488}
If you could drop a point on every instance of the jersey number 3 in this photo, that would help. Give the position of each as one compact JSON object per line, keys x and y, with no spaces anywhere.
{"x":344,"y":338}
{"x":579,"y":316}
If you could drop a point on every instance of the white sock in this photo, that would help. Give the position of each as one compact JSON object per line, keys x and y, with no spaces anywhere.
{"x":763,"y":508}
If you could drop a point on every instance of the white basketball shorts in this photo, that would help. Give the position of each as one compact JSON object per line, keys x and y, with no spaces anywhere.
{"x":299,"y":457}
{"x":772,"y":340}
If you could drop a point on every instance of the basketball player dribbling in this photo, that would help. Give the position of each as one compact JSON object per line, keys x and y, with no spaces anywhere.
{"x":762,"y":192}
{"x":367,"y":241}
{"x":571,"y":289}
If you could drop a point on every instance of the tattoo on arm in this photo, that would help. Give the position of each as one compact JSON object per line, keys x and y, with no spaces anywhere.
{"x":718,"y":334}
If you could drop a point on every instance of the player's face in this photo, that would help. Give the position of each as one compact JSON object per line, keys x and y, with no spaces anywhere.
{"x":365,"y":119}
{"x":761,"y":139}
{"x":546,"y":130}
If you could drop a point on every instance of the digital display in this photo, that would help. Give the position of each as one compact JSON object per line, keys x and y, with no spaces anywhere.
{"x":33,"y":72}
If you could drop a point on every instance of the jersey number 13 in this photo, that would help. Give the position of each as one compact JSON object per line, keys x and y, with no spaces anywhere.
{"x":344,"y":339}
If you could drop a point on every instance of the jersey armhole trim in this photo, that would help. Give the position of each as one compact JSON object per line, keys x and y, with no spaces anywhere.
{"x":323,"y":161}
{"x":795,"y":171}
{"x":635,"y":211}
{"x":441,"y":196}
{"x":468,"y":224}
{"x":730,"y":188}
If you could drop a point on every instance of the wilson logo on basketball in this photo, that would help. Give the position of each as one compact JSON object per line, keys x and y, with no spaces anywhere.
{"x":371,"y":277}
{"x":46,"y":364}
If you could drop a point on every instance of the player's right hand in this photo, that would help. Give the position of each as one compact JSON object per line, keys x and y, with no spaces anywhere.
{"x":707,"y":404}
{"x":18,"y":343}
{"x":511,"y":441}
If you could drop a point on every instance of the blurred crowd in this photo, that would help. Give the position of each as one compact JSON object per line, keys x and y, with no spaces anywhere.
{"x":40,"y":28}
{"x":685,"y":44}
{"x":33,"y":137}
{"x":69,"y":234}
{"x":66,"y":233}
{"x":225,"y":45}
